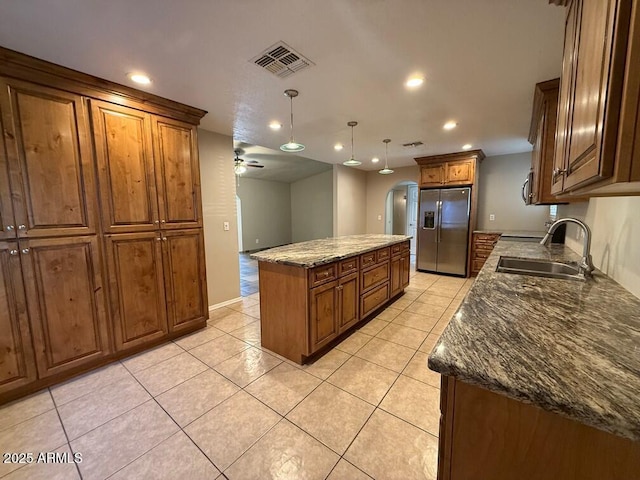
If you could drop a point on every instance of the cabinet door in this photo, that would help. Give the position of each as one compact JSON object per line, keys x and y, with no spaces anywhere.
{"x":177,"y":174}
{"x":185,"y":278}
{"x":431,"y":175}
{"x":17,"y":364}
{"x":7,"y":222}
{"x":459,"y":173}
{"x":66,"y":302}
{"x":536,"y":163}
{"x":124,"y":154}
{"x":137,"y":296}
{"x":406,"y":269}
{"x":52,"y":177}
{"x":348,"y":302}
{"x":323,"y":304}
{"x":396,"y":276}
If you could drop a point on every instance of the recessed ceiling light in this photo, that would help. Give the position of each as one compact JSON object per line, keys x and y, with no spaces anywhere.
{"x":414,"y":81}
{"x":375,"y":160}
{"x":140,"y":78}
{"x":450,"y":125}
{"x":275,"y":125}
{"x":467,"y":146}
{"x":338,"y":147}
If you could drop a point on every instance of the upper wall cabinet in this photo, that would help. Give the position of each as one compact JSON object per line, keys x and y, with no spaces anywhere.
{"x":597,"y":125}
{"x":49,"y":157}
{"x":7,"y":222}
{"x":450,"y":170}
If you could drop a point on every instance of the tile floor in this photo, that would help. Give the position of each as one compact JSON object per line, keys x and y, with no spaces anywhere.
{"x":215,"y":405}
{"x":248,"y":275}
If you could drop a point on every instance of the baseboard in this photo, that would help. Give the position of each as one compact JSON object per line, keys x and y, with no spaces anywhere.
{"x":224,"y":304}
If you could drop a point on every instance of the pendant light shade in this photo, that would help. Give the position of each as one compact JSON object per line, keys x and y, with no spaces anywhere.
{"x":292,"y":146}
{"x":352,"y":162}
{"x":386,"y":170}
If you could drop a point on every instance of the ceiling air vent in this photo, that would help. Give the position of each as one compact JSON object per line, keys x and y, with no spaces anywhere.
{"x":417,"y":143}
{"x":282,"y":60}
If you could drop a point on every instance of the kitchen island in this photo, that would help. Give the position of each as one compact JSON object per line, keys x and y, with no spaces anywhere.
{"x":311,"y":293}
{"x":541,"y":377}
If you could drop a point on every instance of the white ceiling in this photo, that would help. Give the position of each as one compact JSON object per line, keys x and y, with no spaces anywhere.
{"x":480,"y":60}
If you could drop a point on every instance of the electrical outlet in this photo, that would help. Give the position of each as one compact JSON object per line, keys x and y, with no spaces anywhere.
{"x":492,"y":217}
{"x":225,"y":226}
{"x":257,"y":241}
{"x":379,"y":217}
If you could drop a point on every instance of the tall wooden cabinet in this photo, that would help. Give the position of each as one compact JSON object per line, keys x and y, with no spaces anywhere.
{"x":101,"y":242}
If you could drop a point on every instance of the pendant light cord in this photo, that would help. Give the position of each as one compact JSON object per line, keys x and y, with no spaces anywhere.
{"x":291,"y":124}
{"x":352,"y":157}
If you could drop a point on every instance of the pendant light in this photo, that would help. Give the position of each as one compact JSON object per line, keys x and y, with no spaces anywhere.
{"x":292,"y":146}
{"x":386,"y":170}
{"x":352,"y":162}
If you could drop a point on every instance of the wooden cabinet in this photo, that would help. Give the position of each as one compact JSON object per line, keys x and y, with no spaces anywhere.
{"x":348,"y":302}
{"x":7,"y":221}
{"x":482,"y":246}
{"x":434,"y":172}
{"x":66,"y":299}
{"x":432,"y":175}
{"x":323,"y":315}
{"x":17,"y":363}
{"x":49,"y":157}
{"x":399,"y":269}
{"x":598,"y":103}
{"x":487,"y":435}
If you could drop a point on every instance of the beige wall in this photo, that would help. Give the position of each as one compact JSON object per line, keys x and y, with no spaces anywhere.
{"x":377,"y":188}
{"x":312,"y":207}
{"x":615,"y":227}
{"x":349,"y":201}
{"x":266,"y":213}
{"x":218,"y":206}
{"x":500,"y":193}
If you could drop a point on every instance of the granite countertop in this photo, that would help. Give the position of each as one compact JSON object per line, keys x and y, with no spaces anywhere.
{"x":569,"y":347}
{"x":515,"y":233}
{"x":326,"y":250}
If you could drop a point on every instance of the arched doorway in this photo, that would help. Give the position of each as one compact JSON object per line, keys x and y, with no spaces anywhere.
{"x":401,"y":211}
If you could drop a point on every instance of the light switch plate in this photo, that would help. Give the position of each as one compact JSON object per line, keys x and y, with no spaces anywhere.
{"x":225,"y":226}
{"x":492,"y":217}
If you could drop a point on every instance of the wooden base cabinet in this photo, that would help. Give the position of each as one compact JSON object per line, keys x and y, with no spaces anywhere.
{"x":481,"y":247}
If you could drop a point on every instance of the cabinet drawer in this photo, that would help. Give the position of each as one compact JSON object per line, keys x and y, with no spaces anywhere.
{"x":382,"y":254}
{"x":486,"y":237}
{"x":405,"y":246}
{"x":396,"y":249}
{"x":367,"y":259}
{"x":374,"y":299}
{"x":374,"y":276}
{"x":484,"y":254}
{"x":485,"y":247}
{"x":348,"y":266}
{"x":478,"y":263}
{"x":322,"y":274}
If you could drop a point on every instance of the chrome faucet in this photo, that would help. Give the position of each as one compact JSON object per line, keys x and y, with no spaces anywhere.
{"x":585,"y":265}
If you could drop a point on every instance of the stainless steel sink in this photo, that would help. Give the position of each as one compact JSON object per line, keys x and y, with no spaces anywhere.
{"x":539,"y":268}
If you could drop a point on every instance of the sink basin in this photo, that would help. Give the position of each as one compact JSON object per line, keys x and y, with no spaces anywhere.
{"x":539,"y":268}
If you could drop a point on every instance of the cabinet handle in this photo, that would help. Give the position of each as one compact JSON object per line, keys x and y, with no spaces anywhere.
{"x":158,"y":239}
{"x":22,"y":227}
{"x":559,"y":171}
{"x":164,"y":221}
{"x":157,"y":222}
{"x":10,"y":228}
{"x":164,"y":239}
{"x":13,"y":252}
{"x":25,"y":250}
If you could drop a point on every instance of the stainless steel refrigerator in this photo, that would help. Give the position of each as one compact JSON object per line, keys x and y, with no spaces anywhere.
{"x":443,"y":230}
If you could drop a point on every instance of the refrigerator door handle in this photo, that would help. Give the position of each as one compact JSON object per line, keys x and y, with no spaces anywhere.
{"x":439,"y":234}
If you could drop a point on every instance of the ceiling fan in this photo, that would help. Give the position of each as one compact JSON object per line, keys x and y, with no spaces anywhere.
{"x":240,"y":165}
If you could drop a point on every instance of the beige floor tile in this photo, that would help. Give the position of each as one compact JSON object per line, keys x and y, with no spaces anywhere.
{"x":364,"y":379}
{"x":252,"y":311}
{"x":373,"y":327}
{"x":232,"y":321}
{"x":332,"y":416}
{"x":175,"y":458}
{"x":152,"y":357}
{"x":325,"y":365}
{"x":429,"y":343}
{"x":198,"y":338}
{"x":43,"y":433}
{"x":247,"y":366}
{"x":249,"y":333}
{"x":345,"y":471}
{"x":421,"y":283}
{"x":196,"y":396}
{"x":407,"y":336}
{"x":419,"y":370}
{"x":240,"y":305}
{"x":286,"y":452}
{"x":439,"y":327}
{"x":386,"y":354}
{"x":220,"y":313}
{"x":78,"y":386}
{"x":110,"y":447}
{"x":25,"y":408}
{"x":416,"y":320}
{"x":414,"y":402}
{"x":426,"y":309}
{"x":48,"y":471}
{"x":283,"y":387}
{"x":412,"y":293}
{"x":218,"y":350}
{"x":165,"y":375}
{"x":353,"y":342}
{"x":228,"y":430}
{"x":402,"y":303}
{"x":434,"y":299}
{"x":391,"y":449}
{"x":388,"y":314}
{"x":100,"y":406}
{"x":254,"y":296}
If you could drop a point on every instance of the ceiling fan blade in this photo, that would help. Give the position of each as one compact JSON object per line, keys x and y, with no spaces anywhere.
{"x":253,"y":166}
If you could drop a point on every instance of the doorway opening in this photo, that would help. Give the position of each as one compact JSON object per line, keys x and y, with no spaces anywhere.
{"x":401,"y":211}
